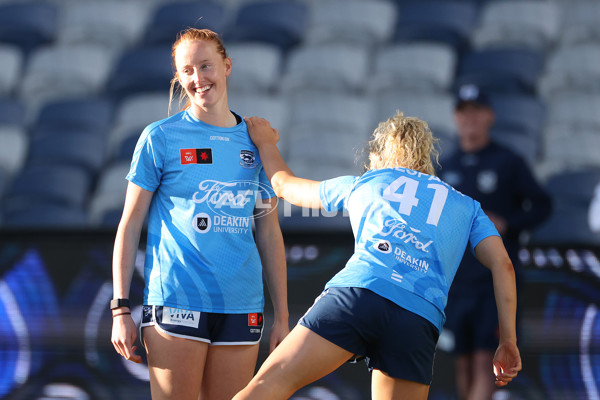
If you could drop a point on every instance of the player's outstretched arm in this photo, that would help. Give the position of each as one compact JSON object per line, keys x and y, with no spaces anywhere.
{"x":298,"y":191}
{"x":507,"y":360}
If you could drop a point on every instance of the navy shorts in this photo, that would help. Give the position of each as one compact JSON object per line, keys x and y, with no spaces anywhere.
{"x":473,"y":320}
{"x":213,"y":328}
{"x":392,"y":339}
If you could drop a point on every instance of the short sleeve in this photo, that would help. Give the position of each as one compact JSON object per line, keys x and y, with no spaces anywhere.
{"x":334,"y":192}
{"x":148,"y":159}
{"x":482,"y":227}
{"x":266,"y":190}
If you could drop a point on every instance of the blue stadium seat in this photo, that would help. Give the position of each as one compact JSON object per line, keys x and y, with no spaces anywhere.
{"x":519,"y":113}
{"x":28,"y":24}
{"x":77,"y":113}
{"x":80,"y":148}
{"x":145,"y":69}
{"x":509,"y":70}
{"x":37,"y":184}
{"x":171,"y":18}
{"x":12,"y":111}
{"x":281,"y":23}
{"x":449,"y":22}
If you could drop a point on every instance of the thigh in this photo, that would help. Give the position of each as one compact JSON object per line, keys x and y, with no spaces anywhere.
{"x":384,"y":387}
{"x":302,"y":358}
{"x":176,"y":365}
{"x":228,"y":370}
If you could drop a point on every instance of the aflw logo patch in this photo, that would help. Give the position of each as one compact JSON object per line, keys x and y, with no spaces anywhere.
{"x":255,"y":319}
{"x":196,"y":156}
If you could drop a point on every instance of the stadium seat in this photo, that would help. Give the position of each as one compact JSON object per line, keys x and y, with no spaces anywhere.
{"x":134,"y":113}
{"x":509,"y":70}
{"x":437,"y":109}
{"x":64,"y":71}
{"x":521,"y":114}
{"x":12,"y":111}
{"x":568,"y":147}
{"x":13,"y":151}
{"x":326,"y":67}
{"x":113,"y":24}
{"x":571,"y":68}
{"x":85,"y":149}
{"x":575,"y":187}
{"x":531,"y":24}
{"x":281,"y":23}
{"x":82,"y":113}
{"x":449,"y":22}
{"x":37,"y":184}
{"x":420,"y":66}
{"x":355,"y":22}
{"x":142,"y":69}
{"x":11,"y":59}
{"x":170,"y":18}
{"x":580,"y":23}
{"x":28,"y":24}
{"x":576,"y":110}
{"x":331,"y":111}
{"x":256,"y":67}
{"x":567,"y":226}
{"x":272,"y":107}
{"x":109,"y":194}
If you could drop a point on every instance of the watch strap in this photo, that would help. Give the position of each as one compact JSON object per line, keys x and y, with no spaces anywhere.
{"x":117,"y":303}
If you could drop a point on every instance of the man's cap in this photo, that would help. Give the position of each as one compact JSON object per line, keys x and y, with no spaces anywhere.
{"x":471,"y":94}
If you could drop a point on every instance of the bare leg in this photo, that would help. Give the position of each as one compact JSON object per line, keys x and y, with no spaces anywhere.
{"x":228,"y":370}
{"x":384,"y":387}
{"x":175,"y":365}
{"x":302,"y":358}
{"x":463,"y":375}
{"x":482,"y":384}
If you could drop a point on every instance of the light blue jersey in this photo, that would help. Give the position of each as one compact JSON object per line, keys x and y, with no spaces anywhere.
{"x":206,"y":180}
{"x":411,"y":231}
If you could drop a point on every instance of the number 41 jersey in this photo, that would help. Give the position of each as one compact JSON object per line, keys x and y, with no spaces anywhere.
{"x":411,"y":230}
{"x":206,"y":180}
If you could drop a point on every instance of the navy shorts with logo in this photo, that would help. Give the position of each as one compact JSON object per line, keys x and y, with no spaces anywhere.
{"x":392,"y":339}
{"x":213,"y":328}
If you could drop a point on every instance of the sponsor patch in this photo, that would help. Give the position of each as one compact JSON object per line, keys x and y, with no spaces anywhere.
{"x":196,"y":156}
{"x":178,"y":316}
{"x":383,"y":246}
{"x":202,"y":222}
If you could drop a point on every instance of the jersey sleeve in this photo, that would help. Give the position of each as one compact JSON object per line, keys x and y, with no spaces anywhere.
{"x":482,"y":227}
{"x":266,"y":190}
{"x":148,"y":159}
{"x":334,"y":192}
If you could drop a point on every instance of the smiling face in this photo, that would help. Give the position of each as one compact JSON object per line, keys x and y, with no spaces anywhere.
{"x":202,"y":73}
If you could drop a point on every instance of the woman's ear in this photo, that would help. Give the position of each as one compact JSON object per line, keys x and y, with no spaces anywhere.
{"x":228,"y":65}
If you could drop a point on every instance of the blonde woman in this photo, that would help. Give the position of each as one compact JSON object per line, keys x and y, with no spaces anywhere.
{"x":387,"y":303}
{"x":199,"y":179}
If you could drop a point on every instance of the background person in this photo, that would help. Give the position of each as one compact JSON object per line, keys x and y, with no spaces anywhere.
{"x":387,"y":303}
{"x":503,"y":184}
{"x":203,"y":300}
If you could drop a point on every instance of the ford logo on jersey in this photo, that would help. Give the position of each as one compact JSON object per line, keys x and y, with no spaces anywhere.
{"x":230,"y":198}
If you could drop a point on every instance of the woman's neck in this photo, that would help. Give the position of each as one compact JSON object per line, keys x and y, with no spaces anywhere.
{"x":221,"y":117}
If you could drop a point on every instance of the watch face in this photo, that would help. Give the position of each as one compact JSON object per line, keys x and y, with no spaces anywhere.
{"x":116,"y":303}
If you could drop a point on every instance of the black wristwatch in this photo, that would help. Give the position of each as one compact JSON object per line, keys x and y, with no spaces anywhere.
{"x":117,"y":303}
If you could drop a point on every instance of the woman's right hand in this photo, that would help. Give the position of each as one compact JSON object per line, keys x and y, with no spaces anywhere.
{"x":261,"y":132}
{"x":123,"y":337}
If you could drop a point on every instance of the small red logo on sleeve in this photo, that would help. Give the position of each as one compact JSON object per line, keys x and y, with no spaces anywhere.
{"x":196,"y":156}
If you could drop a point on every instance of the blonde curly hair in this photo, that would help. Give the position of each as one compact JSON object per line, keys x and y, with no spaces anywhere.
{"x":405,"y":142}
